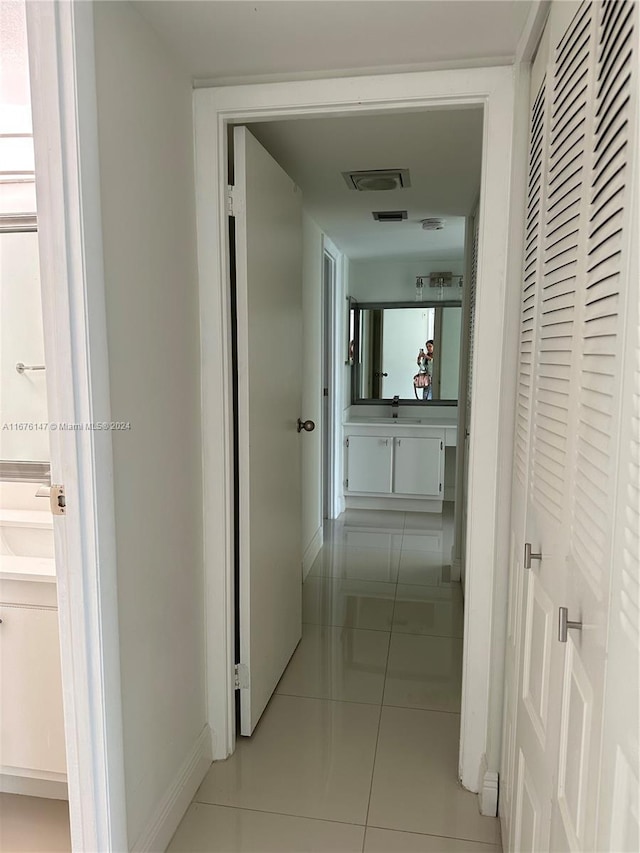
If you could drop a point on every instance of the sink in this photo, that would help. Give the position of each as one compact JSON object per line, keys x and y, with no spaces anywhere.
{"x":26,"y":534}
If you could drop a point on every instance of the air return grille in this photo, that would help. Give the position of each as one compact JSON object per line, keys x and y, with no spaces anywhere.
{"x":389,"y":215}
{"x":377,"y":179}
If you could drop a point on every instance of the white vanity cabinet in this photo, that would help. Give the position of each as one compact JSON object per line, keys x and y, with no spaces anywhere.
{"x":32,"y":743}
{"x":418,"y":467}
{"x":370,"y":464}
{"x":395,"y":465}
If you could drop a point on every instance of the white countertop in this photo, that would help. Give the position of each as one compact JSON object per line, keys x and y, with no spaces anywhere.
{"x":439,"y":420}
{"x":38,"y":569}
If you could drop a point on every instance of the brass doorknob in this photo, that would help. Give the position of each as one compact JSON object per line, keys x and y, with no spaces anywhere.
{"x":307,"y":426}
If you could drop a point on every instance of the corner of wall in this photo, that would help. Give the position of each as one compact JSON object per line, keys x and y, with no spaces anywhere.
{"x":160,"y":829}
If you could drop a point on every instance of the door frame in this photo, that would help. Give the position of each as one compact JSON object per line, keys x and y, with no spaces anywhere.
{"x":331,"y":343}
{"x":492,"y":417}
{"x":62,"y":68}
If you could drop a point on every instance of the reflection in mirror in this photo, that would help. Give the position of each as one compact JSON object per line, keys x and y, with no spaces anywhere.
{"x":410,"y":351}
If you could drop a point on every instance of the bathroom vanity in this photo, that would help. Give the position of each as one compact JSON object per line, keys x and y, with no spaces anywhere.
{"x":32,"y":743}
{"x":398,"y":463}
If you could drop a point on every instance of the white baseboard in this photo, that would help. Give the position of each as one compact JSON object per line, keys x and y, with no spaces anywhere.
{"x":488,"y":790}
{"x":311,"y":552}
{"x":172,"y":807}
{"x":398,"y":504}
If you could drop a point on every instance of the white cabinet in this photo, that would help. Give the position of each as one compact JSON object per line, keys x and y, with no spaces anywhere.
{"x":31,"y":721}
{"x":395,"y":462}
{"x":370,"y":464}
{"x":417,"y":466}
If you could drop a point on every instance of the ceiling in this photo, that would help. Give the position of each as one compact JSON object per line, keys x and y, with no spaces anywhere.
{"x":441,"y":149}
{"x":225,"y":41}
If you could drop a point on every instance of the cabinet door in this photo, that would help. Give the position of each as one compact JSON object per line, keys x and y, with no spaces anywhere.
{"x":418,"y":467}
{"x":31,"y":722}
{"x":369,"y":464}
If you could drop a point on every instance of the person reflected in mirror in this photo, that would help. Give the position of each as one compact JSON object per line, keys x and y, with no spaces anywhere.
{"x":425,"y":368}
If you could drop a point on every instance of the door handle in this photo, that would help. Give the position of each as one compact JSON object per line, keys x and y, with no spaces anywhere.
{"x":564,"y":624}
{"x":528,"y":555}
{"x":307,"y":426}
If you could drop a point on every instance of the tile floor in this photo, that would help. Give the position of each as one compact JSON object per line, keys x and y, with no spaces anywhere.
{"x":357,"y":750}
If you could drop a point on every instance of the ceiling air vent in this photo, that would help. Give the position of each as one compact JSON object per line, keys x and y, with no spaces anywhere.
{"x":389,"y":215}
{"x":377,"y":179}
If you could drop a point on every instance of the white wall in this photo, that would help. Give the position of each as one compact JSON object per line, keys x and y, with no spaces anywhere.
{"x":395,"y":280}
{"x":148,"y":214}
{"x":23,"y":397}
{"x":312,"y":264}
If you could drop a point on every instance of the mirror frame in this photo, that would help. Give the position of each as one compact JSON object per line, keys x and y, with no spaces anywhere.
{"x":357,"y":307}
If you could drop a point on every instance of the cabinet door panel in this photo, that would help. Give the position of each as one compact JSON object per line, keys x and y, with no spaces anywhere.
{"x":369,"y":464}
{"x":31,"y":722}
{"x":418,"y":467}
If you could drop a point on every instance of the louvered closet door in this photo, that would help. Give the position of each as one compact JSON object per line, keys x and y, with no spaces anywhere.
{"x":605,"y":296}
{"x":577,"y":289}
{"x":526,"y":365}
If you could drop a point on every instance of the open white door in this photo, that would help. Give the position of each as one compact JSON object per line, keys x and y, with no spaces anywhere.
{"x":268,"y":228}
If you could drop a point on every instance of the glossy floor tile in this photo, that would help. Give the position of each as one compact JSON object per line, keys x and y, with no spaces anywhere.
{"x":307,"y":757}
{"x":218,"y":829}
{"x":368,"y":564}
{"x":415,"y":786}
{"x":358,"y":747}
{"x":362,"y":537}
{"x":377,"y":518}
{"x":433,"y":610}
{"x":425,"y":568}
{"x":349,"y":603}
{"x":390,"y":841}
{"x":424,"y":672}
{"x":34,"y":824}
{"x":346,"y":664}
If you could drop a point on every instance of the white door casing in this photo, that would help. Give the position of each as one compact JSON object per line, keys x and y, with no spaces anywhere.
{"x":491,"y":433}
{"x":62,"y":70}
{"x":267,"y":207}
{"x":576,"y":285}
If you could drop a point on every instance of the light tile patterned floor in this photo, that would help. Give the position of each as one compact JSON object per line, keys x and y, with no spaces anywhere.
{"x":358,"y":748}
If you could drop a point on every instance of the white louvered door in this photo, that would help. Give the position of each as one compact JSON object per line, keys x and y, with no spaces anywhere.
{"x":577,"y":293}
{"x":526,"y":366}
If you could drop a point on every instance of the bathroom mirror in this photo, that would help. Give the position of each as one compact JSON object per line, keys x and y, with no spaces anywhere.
{"x":387,"y":338}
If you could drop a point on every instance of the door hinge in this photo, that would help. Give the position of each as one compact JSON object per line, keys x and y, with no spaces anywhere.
{"x":325,"y":392}
{"x":441,"y":446}
{"x":230,"y":200}
{"x":241,"y":676}
{"x":346,"y":483}
{"x":440,"y":489}
{"x":347,"y":443}
{"x":57,"y":500}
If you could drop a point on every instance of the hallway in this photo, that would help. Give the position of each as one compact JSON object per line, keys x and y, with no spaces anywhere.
{"x":357,"y":750}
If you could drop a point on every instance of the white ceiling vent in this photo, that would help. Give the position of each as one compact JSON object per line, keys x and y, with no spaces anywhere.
{"x":377,"y":179}
{"x":389,"y":215}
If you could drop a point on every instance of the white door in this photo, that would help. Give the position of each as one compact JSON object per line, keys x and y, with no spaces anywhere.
{"x":577,"y":290}
{"x":268,"y":230}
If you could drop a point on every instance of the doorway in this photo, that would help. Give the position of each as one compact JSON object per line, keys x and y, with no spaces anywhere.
{"x":214,"y":109}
